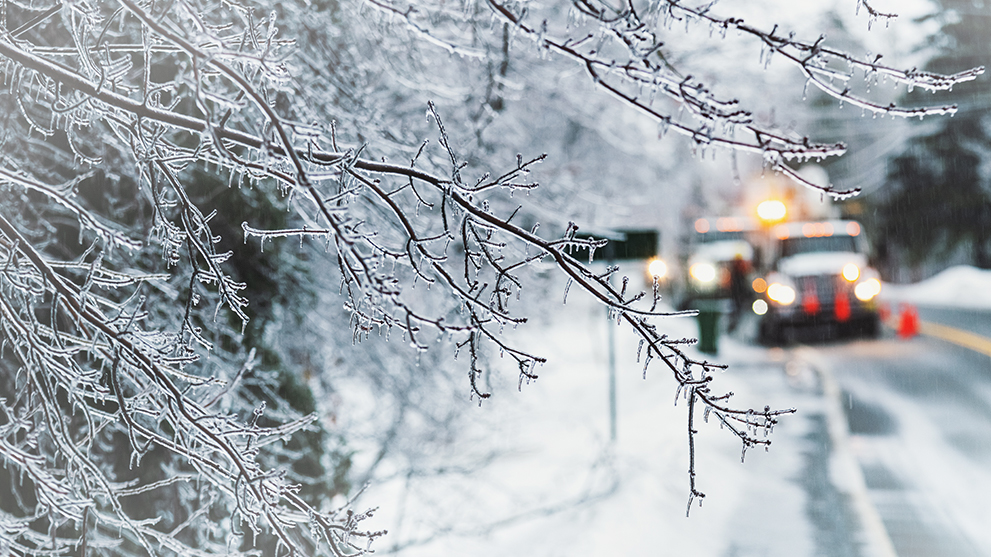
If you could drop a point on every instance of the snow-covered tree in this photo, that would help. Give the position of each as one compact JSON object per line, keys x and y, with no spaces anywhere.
{"x":178,"y":177}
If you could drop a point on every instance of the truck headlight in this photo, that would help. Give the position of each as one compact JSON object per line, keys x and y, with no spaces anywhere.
{"x":657,"y":268}
{"x":781,"y":293}
{"x":703,"y":272}
{"x":781,"y":289}
{"x":851,"y":272}
{"x":867,"y":289}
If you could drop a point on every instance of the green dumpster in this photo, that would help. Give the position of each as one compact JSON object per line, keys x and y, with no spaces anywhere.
{"x":708,"y":319}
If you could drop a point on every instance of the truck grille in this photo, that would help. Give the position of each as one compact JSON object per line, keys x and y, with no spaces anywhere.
{"x":824,"y":287}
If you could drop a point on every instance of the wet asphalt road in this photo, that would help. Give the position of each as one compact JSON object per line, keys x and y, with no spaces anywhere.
{"x":972,"y":320}
{"x":919,"y":415}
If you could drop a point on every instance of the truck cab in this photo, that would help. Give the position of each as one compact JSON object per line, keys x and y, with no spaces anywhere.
{"x":716,"y":243}
{"x":818,"y":276}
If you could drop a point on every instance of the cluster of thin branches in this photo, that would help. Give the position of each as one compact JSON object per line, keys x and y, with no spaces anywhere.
{"x":146,"y":93}
{"x":622,"y":46}
{"x":102,"y":359}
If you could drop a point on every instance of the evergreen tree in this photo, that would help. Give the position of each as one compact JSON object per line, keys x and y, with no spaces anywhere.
{"x":938,"y":205}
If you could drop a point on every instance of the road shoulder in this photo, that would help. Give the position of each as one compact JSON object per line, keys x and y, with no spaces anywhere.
{"x":845,"y":472}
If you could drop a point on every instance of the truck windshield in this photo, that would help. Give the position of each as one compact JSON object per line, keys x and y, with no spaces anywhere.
{"x":795,"y":246}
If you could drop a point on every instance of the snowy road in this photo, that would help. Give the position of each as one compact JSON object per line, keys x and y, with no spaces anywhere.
{"x":919,"y":414}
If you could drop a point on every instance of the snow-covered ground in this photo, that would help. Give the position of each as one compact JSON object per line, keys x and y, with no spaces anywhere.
{"x":960,"y":286}
{"x":535,"y":473}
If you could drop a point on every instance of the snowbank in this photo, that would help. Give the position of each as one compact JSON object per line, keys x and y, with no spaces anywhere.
{"x":960,"y":286}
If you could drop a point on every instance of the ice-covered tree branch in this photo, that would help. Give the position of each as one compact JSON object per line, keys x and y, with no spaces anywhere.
{"x":623,"y":50}
{"x":125,"y":313}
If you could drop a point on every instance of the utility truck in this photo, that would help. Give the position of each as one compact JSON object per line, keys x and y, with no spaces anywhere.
{"x":818,"y":275}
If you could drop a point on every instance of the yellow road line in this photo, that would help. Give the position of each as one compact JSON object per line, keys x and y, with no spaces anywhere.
{"x":959,"y":337}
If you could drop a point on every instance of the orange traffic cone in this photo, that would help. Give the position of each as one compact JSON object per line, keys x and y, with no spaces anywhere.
{"x":908,"y":322}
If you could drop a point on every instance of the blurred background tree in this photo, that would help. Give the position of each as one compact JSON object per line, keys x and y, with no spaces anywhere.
{"x":936,"y":208}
